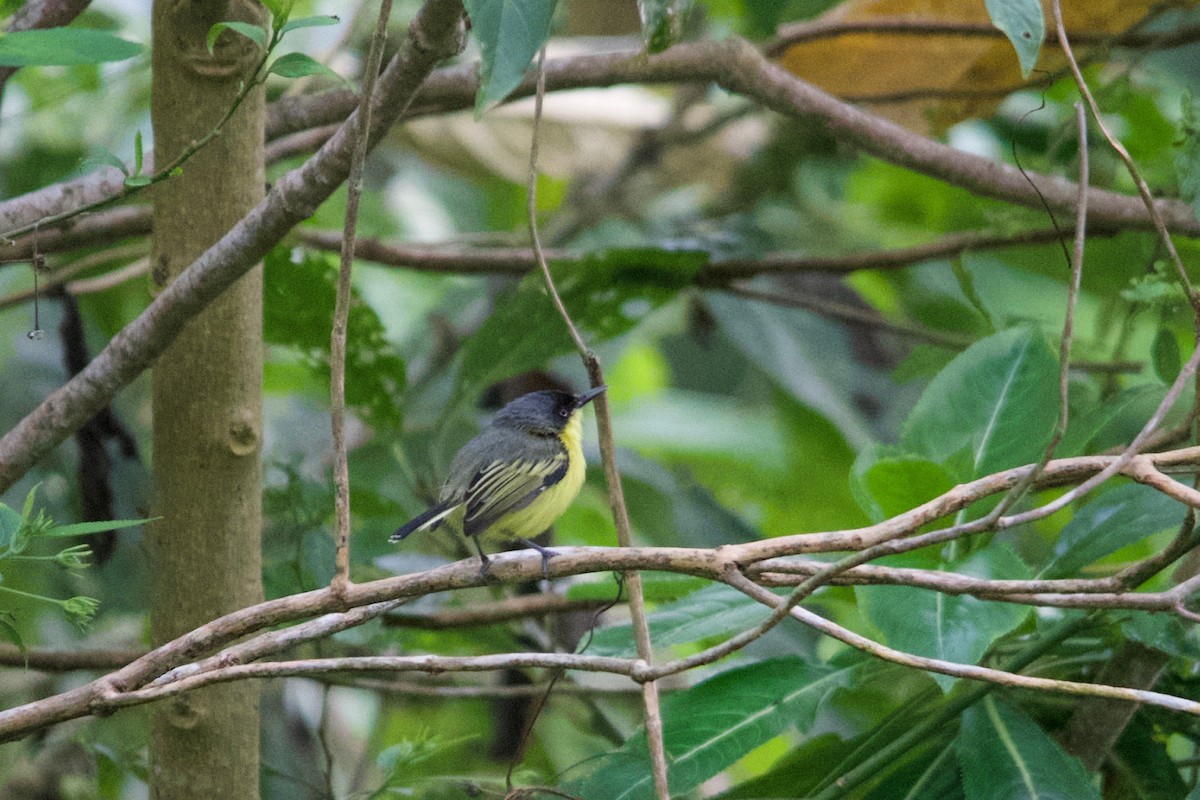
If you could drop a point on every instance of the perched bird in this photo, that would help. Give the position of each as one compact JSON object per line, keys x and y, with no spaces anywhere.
{"x":512,"y":481}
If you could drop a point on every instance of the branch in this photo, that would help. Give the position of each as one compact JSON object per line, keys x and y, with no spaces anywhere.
{"x":511,"y":608}
{"x":738,"y":67}
{"x":968,"y":671}
{"x":616,"y":495}
{"x":733,"y":64}
{"x":435,"y":33}
{"x":518,"y":567}
{"x":816,"y":30}
{"x":341,"y":311}
{"x":67,"y":660}
{"x":457,"y":259}
{"x":433,"y":665}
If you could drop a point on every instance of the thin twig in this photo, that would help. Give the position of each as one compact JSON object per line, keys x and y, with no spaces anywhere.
{"x":970,"y":671}
{"x":1123,"y":460}
{"x":341,"y":312}
{"x":1119,"y":149}
{"x":62,"y":276}
{"x":633,"y":580}
{"x":1075,"y":262}
{"x":816,"y":30}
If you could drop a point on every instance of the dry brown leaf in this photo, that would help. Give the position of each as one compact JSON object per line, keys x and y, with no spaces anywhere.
{"x":928,"y":81}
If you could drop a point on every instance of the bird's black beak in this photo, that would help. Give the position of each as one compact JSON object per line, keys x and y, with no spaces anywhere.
{"x":582,"y":400}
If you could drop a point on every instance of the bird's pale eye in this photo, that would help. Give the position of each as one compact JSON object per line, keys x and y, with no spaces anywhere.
{"x":564,"y":412}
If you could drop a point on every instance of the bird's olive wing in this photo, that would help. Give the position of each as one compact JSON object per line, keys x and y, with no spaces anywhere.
{"x":506,"y":486}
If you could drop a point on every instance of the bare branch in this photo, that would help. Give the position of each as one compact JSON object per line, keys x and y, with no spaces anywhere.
{"x":1160,"y":224}
{"x":969,"y":671}
{"x":616,"y":496}
{"x":341,"y":311}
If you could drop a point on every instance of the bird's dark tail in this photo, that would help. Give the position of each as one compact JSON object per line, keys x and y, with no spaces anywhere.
{"x":425,"y":520}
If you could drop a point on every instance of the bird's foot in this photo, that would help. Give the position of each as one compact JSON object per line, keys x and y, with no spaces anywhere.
{"x":547,"y":554}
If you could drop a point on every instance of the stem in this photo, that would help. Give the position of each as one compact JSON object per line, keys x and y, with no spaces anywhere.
{"x":341,"y":312}
{"x":616,"y":496}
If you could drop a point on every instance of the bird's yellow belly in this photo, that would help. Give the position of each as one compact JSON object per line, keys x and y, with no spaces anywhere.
{"x":525,"y":523}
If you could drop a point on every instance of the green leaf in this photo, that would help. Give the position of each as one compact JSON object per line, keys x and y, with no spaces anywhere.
{"x":810,"y":358}
{"x":798,"y":773}
{"x":298,"y":300}
{"x":713,"y":724}
{"x":660,"y":22}
{"x":85,"y":528}
{"x":957,"y":628}
{"x":1084,"y":426}
{"x":103,"y":159}
{"x":510,"y":33}
{"x":10,"y":523}
{"x":280,"y":11}
{"x":1118,"y":518}
{"x":308,"y":22}
{"x":1024,"y":25}
{"x":606,"y":294}
{"x":138,"y":181}
{"x":658,"y":587}
{"x":993,"y":407}
{"x":1165,"y":354}
{"x":30,"y":498}
{"x":1006,"y":756}
{"x":713,"y":612}
{"x":298,"y":65}
{"x":137,"y":153}
{"x":254,"y":33}
{"x":935,"y":777}
{"x":1140,"y":765}
{"x":60,"y":47}
{"x":1165,"y":632}
{"x":887,"y":485}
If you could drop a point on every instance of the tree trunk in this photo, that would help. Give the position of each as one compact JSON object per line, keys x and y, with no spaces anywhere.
{"x":206,"y":550}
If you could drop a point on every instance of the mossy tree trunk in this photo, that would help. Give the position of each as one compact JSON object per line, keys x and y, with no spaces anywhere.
{"x":206,"y":550}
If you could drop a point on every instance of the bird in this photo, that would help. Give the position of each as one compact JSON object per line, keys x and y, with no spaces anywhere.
{"x":512,"y":481}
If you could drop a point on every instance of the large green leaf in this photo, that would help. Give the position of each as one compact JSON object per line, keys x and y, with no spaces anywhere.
{"x":606,"y":294}
{"x":886,"y":485}
{"x":298,"y":300}
{"x":993,"y":407}
{"x":510,"y":32}
{"x":957,"y":628}
{"x":712,"y":612}
{"x":713,"y":724}
{"x":1006,"y":756}
{"x":934,"y":777}
{"x":810,"y":358}
{"x":61,"y":47}
{"x":1022,"y":22}
{"x":1118,"y":518}
{"x":1085,"y":424}
{"x":796,"y":774}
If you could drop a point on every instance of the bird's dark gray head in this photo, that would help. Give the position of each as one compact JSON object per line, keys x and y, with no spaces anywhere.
{"x":546,"y":413}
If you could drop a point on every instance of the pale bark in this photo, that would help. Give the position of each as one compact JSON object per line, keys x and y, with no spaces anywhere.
{"x":206,"y":549}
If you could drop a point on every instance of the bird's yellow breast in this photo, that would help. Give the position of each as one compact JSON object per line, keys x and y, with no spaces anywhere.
{"x":539,"y":515}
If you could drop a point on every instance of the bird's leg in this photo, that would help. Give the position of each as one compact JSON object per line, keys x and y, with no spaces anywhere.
{"x":546,"y":554}
{"x":484,"y":562}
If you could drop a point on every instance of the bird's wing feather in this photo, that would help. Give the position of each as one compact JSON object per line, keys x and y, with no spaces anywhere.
{"x":502,"y":487}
